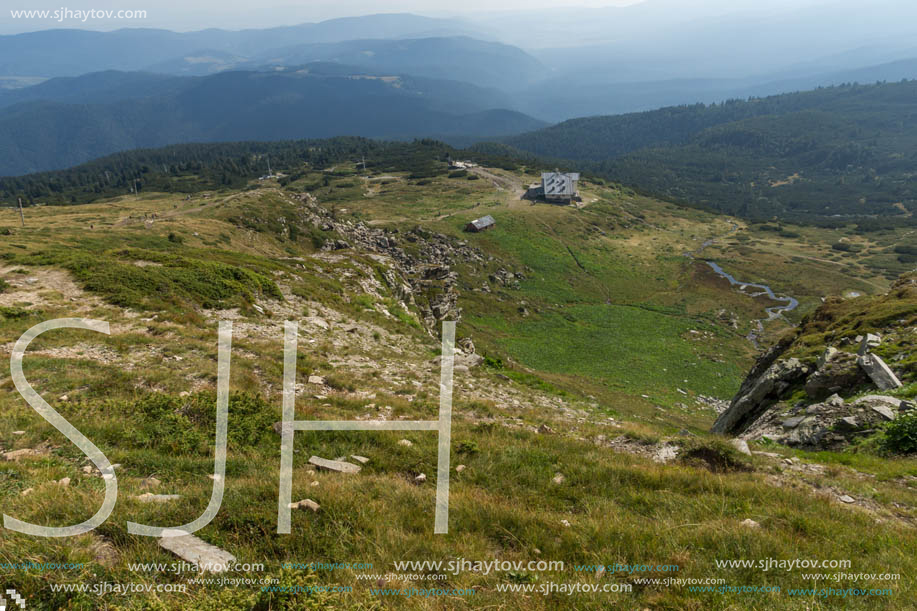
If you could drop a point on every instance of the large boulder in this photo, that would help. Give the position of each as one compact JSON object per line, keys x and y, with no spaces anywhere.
{"x":880,"y":373}
{"x":761,"y":393}
{"x":836,"y":372}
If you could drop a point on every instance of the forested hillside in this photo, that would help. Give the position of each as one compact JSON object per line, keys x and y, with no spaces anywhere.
{"x":56,"y":127}
{"x":826,"y":154}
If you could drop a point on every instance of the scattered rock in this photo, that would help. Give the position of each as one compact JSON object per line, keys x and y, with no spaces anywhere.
{"x":460,"y":468}
{"x":846,"y":499}
{"x":406,"y":443}
{"x":360,"y":459}
{"x":317,"y":380}
{"x":318,"y":322}
{"x":27,"y":492}
{"x":420,"y":479}
{"x":545,"y":429}
{"x":306,"y":504}
{"x":64,"y":481}
{"x":208,"y":558}
{"x":18,"y":432}
{"x":23,"y":453}
{"x":558,"y":478}
{"x":334,"y":465}
{"x":565,"y":523}
{"x":748,"y":522}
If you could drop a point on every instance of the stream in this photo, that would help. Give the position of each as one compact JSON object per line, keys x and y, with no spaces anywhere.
{"x":752,"y":289}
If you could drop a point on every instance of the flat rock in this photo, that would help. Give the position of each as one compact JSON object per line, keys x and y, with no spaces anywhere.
{"x":197,"y":551}
{"x":338,"y":466}
{"x":884,"y":411}
{"x":404,"y":442}
{"x":317,"y":380}
{"x":460,"y":468}
{"x":23,"y":453}
{"x":360,"y":459}
{"x":420,"y":479}
{"x":845,"y":498}
{"x":748,"y":522}
{"x":149,"y":497}
{"x":792,"y":423}
{"x":306,"y":504}
{"x":558,"y":478}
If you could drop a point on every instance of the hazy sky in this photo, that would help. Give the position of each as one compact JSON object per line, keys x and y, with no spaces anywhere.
{"x":236,"y":14}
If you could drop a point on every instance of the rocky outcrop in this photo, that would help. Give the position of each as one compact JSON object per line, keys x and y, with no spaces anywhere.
{"x":830,"y":425}
{"x":812,"y":389}
{"x":422,"y":276}
{"x":835,"y":371}
{"x":764,"y":391}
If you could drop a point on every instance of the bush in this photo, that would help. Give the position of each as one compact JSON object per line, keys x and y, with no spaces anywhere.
{"x":713,"y":454}
{"x":901,"y":435}
{"x":3,"y":285}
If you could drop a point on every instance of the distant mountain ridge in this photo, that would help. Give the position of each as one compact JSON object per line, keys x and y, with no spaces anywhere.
{"x":63,"y":124}
{"x":64,"y":52}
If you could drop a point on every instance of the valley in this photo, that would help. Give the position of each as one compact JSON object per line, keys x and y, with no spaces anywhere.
{"x":594,"y":359}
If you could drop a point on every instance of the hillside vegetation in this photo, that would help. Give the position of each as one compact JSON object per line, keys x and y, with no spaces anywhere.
{"x":603,"y":355}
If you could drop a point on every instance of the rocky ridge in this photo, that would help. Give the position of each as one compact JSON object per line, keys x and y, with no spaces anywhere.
{"x":823,"y":387}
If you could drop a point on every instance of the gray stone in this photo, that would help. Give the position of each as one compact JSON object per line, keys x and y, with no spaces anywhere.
{"x":868,"y":343}
{"x":826,"y":356}
{"x":759,"y":392}
{"x":316,"y":380}
{"x":420,"y":479}
{"x":835,"y":400}
{"x":208,"y":558}
{"x":844,"y":498}
{"x":883,"y":411}
{"x":360,"y":459}
{"x":892,"y":402}
{"x":334,"y":465}
{"x":880,"y":373}
{"x":848,"y":423}
{"x":306,"y":504}
{"x":748,"y":522}
{"x":792,"y":423}
{"x":558,"y":478}
{"x":742,"y":446}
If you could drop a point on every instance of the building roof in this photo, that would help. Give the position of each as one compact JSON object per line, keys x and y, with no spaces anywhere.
{"x":558,"y":183}
{"x":483,"y":222}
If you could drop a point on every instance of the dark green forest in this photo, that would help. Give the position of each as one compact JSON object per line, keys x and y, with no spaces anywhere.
{"x":824,"y":156}
{"x":191,"y":168}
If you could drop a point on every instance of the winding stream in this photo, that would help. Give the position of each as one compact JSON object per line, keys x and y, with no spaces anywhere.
{"x":752,"y":289}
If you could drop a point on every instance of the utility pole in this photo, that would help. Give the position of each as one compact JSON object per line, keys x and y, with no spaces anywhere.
{"x":21,"y":216}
